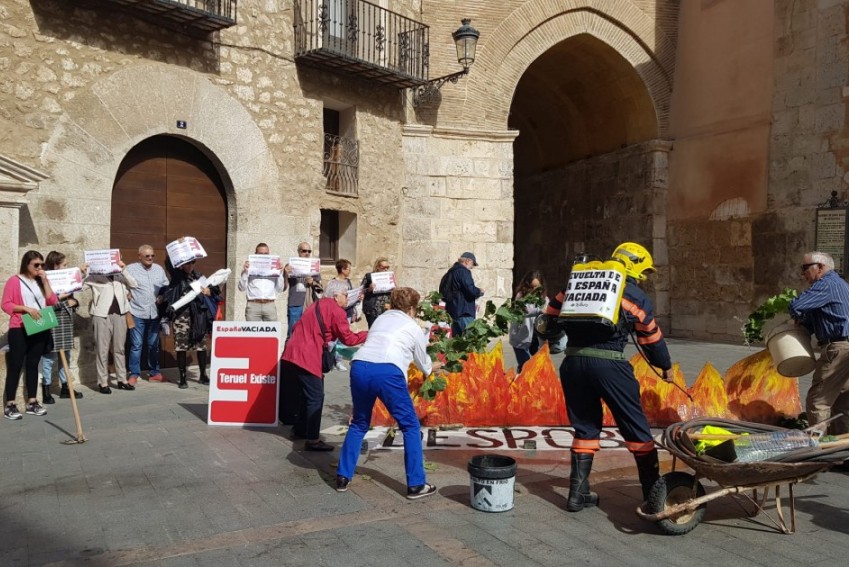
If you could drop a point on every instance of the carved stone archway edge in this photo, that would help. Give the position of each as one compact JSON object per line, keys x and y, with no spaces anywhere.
{"x":539,"y":25}
{"x":102,"y":124}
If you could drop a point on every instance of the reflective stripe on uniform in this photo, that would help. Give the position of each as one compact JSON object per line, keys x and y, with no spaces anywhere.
{"x":589,"y":446}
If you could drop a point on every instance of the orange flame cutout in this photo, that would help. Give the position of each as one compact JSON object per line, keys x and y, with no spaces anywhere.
{"x":485,"y":394}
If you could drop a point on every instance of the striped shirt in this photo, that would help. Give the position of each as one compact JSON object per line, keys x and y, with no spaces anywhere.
{"x":823,"y":308}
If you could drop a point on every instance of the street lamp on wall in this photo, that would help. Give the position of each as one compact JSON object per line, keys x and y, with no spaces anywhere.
{"x":466,"y":41}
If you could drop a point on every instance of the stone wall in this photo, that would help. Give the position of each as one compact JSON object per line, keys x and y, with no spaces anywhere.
{"x":591,"y":206}
{"x":809,"y":139}
{"x":459,"y":197}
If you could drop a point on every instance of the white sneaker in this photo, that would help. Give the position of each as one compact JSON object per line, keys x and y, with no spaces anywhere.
{"x":341,"y":367}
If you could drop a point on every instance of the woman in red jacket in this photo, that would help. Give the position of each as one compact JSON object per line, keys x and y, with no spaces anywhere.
{"x":302,"y":363}
{"x":26,"y":293}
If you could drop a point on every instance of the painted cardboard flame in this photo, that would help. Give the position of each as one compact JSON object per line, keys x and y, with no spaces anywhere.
{"x":485,"y":394}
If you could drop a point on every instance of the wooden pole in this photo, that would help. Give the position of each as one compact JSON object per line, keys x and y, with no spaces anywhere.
{"x":80,"y":437}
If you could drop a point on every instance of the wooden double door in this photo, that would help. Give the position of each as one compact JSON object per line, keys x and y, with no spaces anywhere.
{"x":167,"y":188}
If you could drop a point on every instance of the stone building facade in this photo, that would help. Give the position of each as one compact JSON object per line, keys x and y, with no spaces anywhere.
{"x":707,"y":131}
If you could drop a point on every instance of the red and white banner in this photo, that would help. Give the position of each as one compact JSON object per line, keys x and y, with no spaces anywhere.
{"x":245,"y":373}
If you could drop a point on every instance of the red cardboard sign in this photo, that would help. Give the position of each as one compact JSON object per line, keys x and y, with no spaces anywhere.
{"x":245,"y":373}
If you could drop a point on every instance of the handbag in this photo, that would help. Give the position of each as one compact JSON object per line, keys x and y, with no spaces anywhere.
{"x":328,"y":359}
{"x":47,"y":321}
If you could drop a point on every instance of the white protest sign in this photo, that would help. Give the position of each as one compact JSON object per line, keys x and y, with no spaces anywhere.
{"x":383,"y":281}
{"x":305,"y":266}
{"x":184,"y":250}
{"x":103,"y":262}
{"x":68,"y":280}
{"x":267,"y":265}
{"x":354,"y":295}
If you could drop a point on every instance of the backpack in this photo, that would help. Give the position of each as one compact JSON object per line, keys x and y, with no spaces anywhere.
{"x":592,"y":302}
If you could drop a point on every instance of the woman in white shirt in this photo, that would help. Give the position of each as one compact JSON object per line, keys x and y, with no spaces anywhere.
{"x":379,"y":371}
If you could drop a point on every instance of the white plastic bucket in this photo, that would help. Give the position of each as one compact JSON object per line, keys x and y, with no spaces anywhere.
{"x":492,"y":478}
{"x":789,"y":345}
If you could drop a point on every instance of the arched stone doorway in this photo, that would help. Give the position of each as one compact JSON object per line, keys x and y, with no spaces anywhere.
{"x":588,"y":169}
{"x":166,"y":188}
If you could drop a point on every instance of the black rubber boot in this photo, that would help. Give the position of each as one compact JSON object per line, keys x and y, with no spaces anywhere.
{"x":181,"y":366}
{"x":648,"y":470}
{"x":46,"y":397}
{"x":204,"y":379}
{"x":580,"y":496}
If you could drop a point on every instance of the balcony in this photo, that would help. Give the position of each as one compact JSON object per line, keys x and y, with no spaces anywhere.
{"x":203,"y":16}
{"x":361,"y":39}
{"x":341,"y":164}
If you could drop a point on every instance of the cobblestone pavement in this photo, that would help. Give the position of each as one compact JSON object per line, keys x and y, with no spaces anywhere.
{"x":156,"y":486}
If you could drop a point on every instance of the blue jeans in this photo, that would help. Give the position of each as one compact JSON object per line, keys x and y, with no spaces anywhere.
{"x":524,"y":354}
{"x":293,"y":315}
{"x":145,"y":330}
{"x":371,"y":381}
{"x":459,"y":325}
{"x":47,"y":362}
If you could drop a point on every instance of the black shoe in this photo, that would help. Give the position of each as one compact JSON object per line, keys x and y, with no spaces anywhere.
{"x":416,"y":492}
{"x":183,"y":385}
{"x":204,"y":380}
{"x":65,"y":393}
{"x":317,"y":446}
{"x":342,"y":483}
{"x":105,"y":389}
{"x":125,"y":386}
{"x":46,"y":397}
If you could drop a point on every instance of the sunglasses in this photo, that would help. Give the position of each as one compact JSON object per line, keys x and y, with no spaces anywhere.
{"x":805,"y":267}
{"x":149,"y":256}
{"x":305,"y":251}
{"x":383,"y":267}
{"x":37,"y":265}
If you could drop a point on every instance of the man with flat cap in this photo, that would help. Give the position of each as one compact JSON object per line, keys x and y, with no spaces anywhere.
{"x":459,"y":292}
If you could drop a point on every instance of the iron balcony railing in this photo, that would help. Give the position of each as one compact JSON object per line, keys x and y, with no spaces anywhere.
{"x":203,"y":15}
{"x":341,"y":164}
{"x":363,"y":39}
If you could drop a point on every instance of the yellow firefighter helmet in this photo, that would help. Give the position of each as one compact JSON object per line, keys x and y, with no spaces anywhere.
{"x":636,"y":258}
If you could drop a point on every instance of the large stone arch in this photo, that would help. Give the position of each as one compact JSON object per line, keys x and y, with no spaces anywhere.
{"x":103,"y":123}
{"x":528,"y":32}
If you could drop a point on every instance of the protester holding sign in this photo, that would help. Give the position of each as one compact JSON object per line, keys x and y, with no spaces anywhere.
{"x":110,"y":306}
{"x":304,"y":280}
{"x":63,"y":334}
{"x":191,"y":322}
{"x":262,"y":280}
{"x":376,"y":289}
{"x":27,"y":293}
{"x":342,"y":283}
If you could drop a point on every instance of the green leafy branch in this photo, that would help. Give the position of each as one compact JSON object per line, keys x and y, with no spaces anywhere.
{"x":777,"y":304}
{"x":454,"y":351}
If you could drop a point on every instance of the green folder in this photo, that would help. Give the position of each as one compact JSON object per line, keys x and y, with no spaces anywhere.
{"x":48,"y":321}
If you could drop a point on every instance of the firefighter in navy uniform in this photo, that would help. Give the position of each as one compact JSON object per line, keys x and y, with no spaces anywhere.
{"x":597,"y":370}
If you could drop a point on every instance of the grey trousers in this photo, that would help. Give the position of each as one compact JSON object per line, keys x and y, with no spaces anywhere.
{"x":261,"y":311}
{"x":110,"y":331}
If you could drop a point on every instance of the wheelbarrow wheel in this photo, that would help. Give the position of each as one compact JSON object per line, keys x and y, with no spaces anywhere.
{"x":670,"y":490}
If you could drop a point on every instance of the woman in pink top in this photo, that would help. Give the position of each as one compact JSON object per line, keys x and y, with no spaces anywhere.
{"x":27,"y":292}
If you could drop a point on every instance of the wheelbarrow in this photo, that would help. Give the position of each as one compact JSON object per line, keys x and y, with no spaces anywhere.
{"x":678,"y":500}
